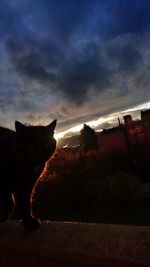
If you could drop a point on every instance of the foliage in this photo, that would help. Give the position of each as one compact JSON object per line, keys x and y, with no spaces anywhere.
{"x":88,"y":139}
{"x":124,"y":189}
{"x":75,"y":181}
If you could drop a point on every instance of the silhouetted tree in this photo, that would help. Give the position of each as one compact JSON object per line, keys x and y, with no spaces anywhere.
{"x":88,"y":139}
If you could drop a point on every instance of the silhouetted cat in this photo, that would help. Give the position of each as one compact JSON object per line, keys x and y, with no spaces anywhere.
{"x":22,"y":158}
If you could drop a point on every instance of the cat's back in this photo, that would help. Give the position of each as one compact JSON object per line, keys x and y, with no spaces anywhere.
{"x":7,"y":138}
{"x":6,"y":135}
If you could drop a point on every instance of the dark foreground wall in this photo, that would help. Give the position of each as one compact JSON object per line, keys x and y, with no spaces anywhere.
{"x":62,"y":244}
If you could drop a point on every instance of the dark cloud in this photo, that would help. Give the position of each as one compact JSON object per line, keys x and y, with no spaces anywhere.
{"x":84,"y":71}
{"x":121,"y":17}
{"x":67,"y":17}
{"x":126,"y":54}
{"x":75,"y":59}
{"x":130,"y":16}
{"x":29,"y":60}
{"x":73,"y":75}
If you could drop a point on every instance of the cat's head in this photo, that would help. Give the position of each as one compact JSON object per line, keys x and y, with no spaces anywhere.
{"x":35,"y":143}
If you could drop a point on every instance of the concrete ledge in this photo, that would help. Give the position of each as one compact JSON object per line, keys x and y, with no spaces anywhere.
{"x":64,"y":244}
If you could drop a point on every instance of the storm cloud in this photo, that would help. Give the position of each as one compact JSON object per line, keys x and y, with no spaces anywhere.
{"x":74,"y":61}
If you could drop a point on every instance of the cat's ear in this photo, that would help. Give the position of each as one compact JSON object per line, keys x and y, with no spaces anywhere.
{"x":19,"y":126}
{"x":51,"y":126}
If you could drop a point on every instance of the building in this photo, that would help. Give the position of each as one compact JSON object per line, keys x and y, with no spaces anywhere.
{"x":125,"y":135}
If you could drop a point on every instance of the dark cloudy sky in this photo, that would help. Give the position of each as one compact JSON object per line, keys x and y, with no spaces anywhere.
{"x":72,"y":60}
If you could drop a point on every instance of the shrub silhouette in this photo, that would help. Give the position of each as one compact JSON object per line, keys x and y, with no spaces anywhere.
{"x":76,"y":181}
{"x":88,"y":139}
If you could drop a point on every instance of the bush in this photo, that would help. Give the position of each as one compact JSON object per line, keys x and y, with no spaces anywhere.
{"x":84,"y":182}
{"x":125,"y":190}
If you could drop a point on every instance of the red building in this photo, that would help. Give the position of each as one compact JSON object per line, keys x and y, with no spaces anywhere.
{"x":127,"y":134}
{"x":112,"y":139}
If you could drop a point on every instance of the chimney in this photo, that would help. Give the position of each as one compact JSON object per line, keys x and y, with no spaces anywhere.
{"x":128,"y":119}
{"x":145,"y":114}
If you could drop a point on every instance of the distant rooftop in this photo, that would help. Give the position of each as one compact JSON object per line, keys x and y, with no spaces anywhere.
{"x":145,"y":112}
{"x":111,"y":130}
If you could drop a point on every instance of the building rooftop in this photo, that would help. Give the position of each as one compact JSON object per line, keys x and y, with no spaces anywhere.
{"x":145,"y":112}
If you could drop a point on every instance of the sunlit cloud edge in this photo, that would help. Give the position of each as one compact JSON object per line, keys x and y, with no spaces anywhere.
{"x":112,"y":118}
